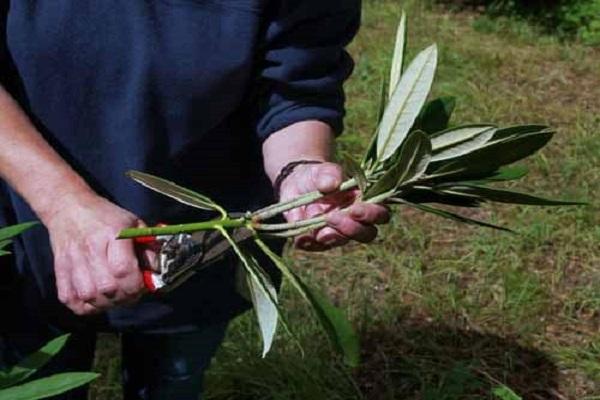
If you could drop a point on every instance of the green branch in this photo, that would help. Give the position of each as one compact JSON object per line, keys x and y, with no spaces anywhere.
{"x":183,"y":228}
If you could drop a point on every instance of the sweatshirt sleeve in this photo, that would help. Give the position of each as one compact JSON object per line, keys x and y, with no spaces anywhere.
{"x":303,"y":64}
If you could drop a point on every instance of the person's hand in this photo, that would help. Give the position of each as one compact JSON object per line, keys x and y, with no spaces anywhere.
{"x":94,"y":271}
{"x":356,"y":223}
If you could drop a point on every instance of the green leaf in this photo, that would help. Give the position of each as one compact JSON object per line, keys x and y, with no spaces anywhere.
{"x":457,"y":142}
{"x":371,"y":153}
{"x":4,"y":253}
{"x":428,"y":195}
{"x":265,"y":309}
{"x":47,"y":387}
{"x":485,"y":161}
{"x":505,"y":393}
{"x":30,"y":364}
{"x":435,"y":115}
{"x":406,"y":103}
{"x":505,"y":196}
{"x":174,"y":191}
{"x":411,"y":163}
{"x":452,"y":216}
{"x":334,"y":322}
{"x":418,"y":153}
{"x":505,"y":133}
{"x":4,"y":243}
{"x":355,"y":171}
{"x":399,"y":52}
{"x":10,"y":232}
{"x":263,"y":294}
{"x":509,"y":173}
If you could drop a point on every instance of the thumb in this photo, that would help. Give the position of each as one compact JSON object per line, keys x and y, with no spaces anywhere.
{"x":327,"y":177}
{"x":147,"y":254}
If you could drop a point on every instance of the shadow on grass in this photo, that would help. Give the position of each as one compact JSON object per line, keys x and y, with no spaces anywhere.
{"x":425,"y":361}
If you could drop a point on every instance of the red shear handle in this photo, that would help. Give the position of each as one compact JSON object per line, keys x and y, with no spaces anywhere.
{"x":148,"y":277}
{"x":152,"y":280}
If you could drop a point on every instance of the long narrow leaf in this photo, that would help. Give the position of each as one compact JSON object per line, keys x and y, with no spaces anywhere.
{"x":398,"y":58}
{"x":505,"y":133}
{"x":406,"y":103}
{"x":266,"y":312}
{"x":355,"y":171}
{"x":453,"y":216}
{"x":174,"y":191}
{"x":507,"y":196}
{"x":332,"y":319}
{"x":10,"y":232}
{"x":507,"y":173}
{"x":455,"y":136}
{"x":371,"y":154}
{"x":411,"y":162}
{"x":463,"y":148}
{"x":419,"y":157}
{"x":485,"y":161}
{"x":428,"y":195}
{"x":30,"y":364}
{"x":47,"y":387}
{"x":263,"y":293}
{"x":435,"y":115}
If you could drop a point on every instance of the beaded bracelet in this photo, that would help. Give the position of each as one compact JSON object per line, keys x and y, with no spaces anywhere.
{"x":287,"y":171}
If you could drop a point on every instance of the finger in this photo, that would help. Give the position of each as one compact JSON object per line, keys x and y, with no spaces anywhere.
{"x":315,"y":209}
{"x":370,"y":213}
{"x":329,"y":237}
{"x":80,"y":308}
{"x":350,"y":228}
{"x":81,"y":279}
{"x":308,"y":243}
{"x":64,"y":288}
{"x":295,"y":214}
{"x":326,"y":177}
{"x":97,"y":264}
{"x":123,"y":264}
{"x":150,"y":260}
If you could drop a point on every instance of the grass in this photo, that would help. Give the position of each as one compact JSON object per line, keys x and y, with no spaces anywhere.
{"x":446,"y":311}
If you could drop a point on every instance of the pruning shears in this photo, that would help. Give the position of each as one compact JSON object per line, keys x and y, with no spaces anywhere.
{"x":179,"y":256}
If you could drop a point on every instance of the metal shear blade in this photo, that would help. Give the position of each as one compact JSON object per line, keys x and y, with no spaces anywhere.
{"x":184,"y":254}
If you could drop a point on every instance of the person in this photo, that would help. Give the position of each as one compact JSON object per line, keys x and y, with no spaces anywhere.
{"x":217,"y":95}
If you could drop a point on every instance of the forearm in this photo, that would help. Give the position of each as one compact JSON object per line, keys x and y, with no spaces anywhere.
{"x":309,"y":140}
{"x":30,"y":165}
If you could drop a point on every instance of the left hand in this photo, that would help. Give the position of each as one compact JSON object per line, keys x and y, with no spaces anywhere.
{"x":356,"y":223}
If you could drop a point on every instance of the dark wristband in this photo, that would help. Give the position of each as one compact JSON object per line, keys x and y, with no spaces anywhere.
{"x":287,"y":171}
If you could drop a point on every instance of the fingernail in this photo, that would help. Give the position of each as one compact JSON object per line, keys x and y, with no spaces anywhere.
{"x":334,"y":218}
{"x":303,"y":243}
{"x":328,"y":181}
{"x":329,"y":242}
{"x":357,"y":212}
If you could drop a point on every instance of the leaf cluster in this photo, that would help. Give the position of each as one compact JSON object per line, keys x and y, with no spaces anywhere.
{"x":416,"y":158}
{"x":13,"y":385}
{"x":11,"y":379}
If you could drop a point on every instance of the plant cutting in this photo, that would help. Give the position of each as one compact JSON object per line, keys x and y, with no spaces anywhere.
{"x":415,"y":159}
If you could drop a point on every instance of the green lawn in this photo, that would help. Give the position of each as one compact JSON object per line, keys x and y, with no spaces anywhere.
{"x":446,"y":311}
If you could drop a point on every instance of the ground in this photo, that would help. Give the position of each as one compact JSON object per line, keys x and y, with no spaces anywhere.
{"x":446,"y":311}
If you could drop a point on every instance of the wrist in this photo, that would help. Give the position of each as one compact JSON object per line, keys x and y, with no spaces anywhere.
{"x":67,"y":198}
{"x":288,"y":170}
{"x":309,"y":140}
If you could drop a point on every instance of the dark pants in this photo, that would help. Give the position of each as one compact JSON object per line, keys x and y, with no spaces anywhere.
{"x":155,"y":366}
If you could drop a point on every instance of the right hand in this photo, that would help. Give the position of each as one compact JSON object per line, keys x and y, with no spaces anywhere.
{"x":94,"y":271}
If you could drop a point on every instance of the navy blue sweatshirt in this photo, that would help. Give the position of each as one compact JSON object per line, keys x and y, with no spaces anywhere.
{"x":184,"y":89}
